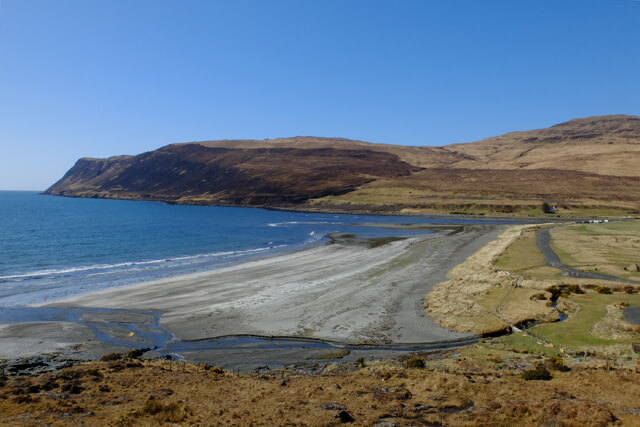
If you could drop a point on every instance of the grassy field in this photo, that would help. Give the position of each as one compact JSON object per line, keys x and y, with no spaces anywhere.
{"x":523,"y":257}
{"x":412,"y":200}
{"x":605,"y":248}
{"x":490,"y":302}
{"x":576,"y":331}
{"x":523,"y":342}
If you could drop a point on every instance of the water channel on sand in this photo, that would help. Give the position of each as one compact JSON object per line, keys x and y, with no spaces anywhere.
{"x":343,"y":299}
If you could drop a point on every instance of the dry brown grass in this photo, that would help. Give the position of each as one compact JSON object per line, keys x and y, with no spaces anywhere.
{"x":497,"y":191}
{"x":478,"y":298}
{"x":613,"y":325}
{"x":607,"y":145}
{"x":464,"y":391}
{"x":605,"y":248}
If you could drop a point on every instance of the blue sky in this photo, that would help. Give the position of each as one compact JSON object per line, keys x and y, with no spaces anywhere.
{"x":104,"y":77}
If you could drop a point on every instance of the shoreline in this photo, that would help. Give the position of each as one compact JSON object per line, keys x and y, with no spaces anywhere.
{"x":337,"y":292}
{"x":266,"y":296}
{"x":306,"y":209}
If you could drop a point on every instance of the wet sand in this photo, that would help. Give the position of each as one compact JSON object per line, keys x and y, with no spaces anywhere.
{"x":340,"y":292}
{"x":351,"y":291}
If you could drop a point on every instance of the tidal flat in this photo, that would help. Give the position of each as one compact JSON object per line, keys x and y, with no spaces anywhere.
{"x":346,"y":292}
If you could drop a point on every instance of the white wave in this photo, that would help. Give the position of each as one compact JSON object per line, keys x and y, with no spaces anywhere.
{"x":313,"y":237}
{"x":44,"y":273}
{"x":284,"y":224}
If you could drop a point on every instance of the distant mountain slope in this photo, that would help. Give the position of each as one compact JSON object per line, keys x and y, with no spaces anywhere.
{"x":607,"y":145}
{"x":583,"y":164}
{"x":197,"y":173}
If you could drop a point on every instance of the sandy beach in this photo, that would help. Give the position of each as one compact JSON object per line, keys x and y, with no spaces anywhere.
{"x":341,"y":292}
{"x":352,"y":291}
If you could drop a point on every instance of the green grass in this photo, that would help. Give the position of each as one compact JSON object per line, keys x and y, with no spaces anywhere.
{"x":611,"y":228}
{"x":571,"y":334}
{"x":605,"y":248}
{"x":575,"y":332}
{"x":523,"y":254}
{"x":524,"y":257}
{"x":521,"y":342}
{"x":514,"y":343}
{"x":565,"y":257}
{"x":492,"y":300}
{"x":594,"y":212}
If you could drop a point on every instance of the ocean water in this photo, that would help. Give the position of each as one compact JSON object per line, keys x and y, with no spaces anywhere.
{"x":55,"y":247}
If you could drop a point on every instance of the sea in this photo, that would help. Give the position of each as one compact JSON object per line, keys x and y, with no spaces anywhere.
{"x":55,"y":247}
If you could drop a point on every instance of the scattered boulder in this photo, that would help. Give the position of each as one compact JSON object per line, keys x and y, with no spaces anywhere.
{"x":345,"y":417}
{"x":633,"y":267}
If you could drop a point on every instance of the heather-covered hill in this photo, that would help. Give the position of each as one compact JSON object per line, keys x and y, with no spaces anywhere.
{"x":585,"y":166}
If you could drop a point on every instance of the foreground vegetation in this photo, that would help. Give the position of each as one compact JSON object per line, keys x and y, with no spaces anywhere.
{"x":495,"y":382}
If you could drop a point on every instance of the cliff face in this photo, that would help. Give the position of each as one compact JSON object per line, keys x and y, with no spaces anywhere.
{"x":194,"y":173}
{"x":591,"y":162}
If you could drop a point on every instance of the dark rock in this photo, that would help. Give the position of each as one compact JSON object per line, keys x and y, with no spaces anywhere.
{"x":37,"y":365}
{"x":345,"y":417}
{"x":72,"y":388}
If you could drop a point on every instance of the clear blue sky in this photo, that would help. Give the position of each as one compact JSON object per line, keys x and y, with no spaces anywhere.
{"x":103,"y":77}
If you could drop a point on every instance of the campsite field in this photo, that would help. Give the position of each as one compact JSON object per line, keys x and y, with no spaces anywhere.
{"x":604,"y":248}
{"x":592,"y":314}
{"x":594,"y":321}
{"x":524,"y":258}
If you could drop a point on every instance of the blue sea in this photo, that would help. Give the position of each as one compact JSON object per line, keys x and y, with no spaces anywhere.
{"x":56,"y":247}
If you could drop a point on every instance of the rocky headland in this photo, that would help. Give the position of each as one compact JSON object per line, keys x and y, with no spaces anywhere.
{"x":582,"y":167}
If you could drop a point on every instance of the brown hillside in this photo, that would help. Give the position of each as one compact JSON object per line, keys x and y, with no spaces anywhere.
{"x":195,"y":173}
{"x":523,"y":184}
{"x":418,"y":156}
{"x":590,"y":166}
{"x":607,"y":145}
